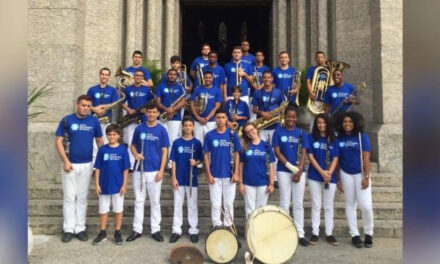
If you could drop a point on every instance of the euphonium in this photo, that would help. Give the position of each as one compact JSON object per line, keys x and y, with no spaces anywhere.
{"x":105,"y":119}
{"x":320,"y":83}
{"x":126,"y":79}
{"x":336,"y":65}
{"x":201,"y":102}
{"x":164,"y":116}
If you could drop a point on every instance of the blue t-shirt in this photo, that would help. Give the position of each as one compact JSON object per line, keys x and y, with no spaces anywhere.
{"x":111,"y":162}
{"x":334,"y":96}
{"x":179,"y":80}
{"x":267,"y":101}
{"x":217,"y":73}
{"x":259,"y":71}
{"x":213,"y":95}
{"x":155,"y":138}
{"x":310,"y":72}
{"x":81,"y":133}
{"x":241,"y":109}
{"x":132,"y":70}
{"x":287,"y":141}
{"x":249,"y":59}
{"x":106,"y":95}
{"x":231,"y":77}
{"x":254,"y":163}
{"x":323,"y":77}
{"x":181,"y":154}
{"x":219,"y":147}
{"x":168,"y":94}
{"x":349,"y":153}
{"x":136,"y":97}
{"x":318,"y":148}
{"x":201,"y":62}
{"x":283,"y":81}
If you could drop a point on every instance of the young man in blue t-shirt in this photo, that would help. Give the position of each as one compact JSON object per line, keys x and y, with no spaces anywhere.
{"x":111,"y":173}
{"x":136,"y":96}
{"x":102,"y":96}
{"x":247,"y":57}
{"x":199,"y":63}
{"x":257,"y":84}
{"x":241,"y":75}
{"x":221,"y":159}
{"x":283,"y":77}
{"x":318,"y":98}
{"x":176,"y":64}
{"x":150,"y":148}
{"x":137,"y":65}
{"x":81,"y":129}
{"x":186,"y":154}
{"x":340,"y":96}
{"x":218,"y":74}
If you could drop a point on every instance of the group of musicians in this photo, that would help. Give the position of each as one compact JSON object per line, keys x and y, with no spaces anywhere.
{"x":222,"y":102}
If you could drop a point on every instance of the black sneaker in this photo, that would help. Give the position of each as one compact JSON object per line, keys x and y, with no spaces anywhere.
{"x":313,"y":240}
{"x":130,"y":171}
{"x":303,"y":242}
{"x":157,"y":236}
{"x":275,"y":185}
{"x":357,"y":241}
{"x":82,"y":236}
{"x":67,"y":236}
{"x":174,"y":237}
{"x":118,"y":237}
{"x":194,"y":238}
{"x":368,"y":241}
{"x":135,"y":235}
{"x":102,"y":236}
{"x":332,"y":240}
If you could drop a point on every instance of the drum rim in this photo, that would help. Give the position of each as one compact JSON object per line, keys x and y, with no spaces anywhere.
{"x":283,"y":212}
{"x":229,"y":230}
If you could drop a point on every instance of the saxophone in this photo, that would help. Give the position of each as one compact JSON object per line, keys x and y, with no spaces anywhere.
{"x":234,"y":122}
{"x":164,"y":116}
{"x":277,"y":117}
{"x":134,"y":118}
{"x":105,"y":119}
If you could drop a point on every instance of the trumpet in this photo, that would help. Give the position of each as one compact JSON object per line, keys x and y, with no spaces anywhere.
{"x":238,"y":68}
{"x":199,"y":73}
{"x":125,"y":78}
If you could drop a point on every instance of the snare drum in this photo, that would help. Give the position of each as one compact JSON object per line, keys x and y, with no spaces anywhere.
{"x":271,"y":235}
{"x":221,"y":245}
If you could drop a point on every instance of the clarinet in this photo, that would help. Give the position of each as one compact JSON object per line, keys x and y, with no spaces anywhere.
{"x":267,"y":160}
{"x":327,"y":160}
{"x":299,"y":149}
{"x":231,"y":153}
{"x":360,"y":154}
{"x":191,"y":172}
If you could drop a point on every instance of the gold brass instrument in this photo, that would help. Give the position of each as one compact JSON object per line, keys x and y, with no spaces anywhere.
{"x":296,"y":85}
{"x":234,"y":122}
{"x":199,"y":73}
{"x":256,"y":77}
{"x":237,"y":76}
{"x":320,"y":83}
{"x":136,"y":117}
{"x":181,"y":76}
{"x":201,"y":102}
{"x":125,"y":78}
{"x":164,"y":116}
{"x":354,"y":94}
{"x":336,"y":65}
{"x":105,"y":119}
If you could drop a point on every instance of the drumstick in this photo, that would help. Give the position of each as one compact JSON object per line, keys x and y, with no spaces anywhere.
{"x":230,"y":224}
{"x":232,"y":220}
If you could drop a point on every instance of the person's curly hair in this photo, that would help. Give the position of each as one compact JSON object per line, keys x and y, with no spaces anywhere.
{"x":358,"y":122}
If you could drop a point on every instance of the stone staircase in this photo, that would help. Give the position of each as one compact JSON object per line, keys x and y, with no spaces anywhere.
{"x":45,"y":208}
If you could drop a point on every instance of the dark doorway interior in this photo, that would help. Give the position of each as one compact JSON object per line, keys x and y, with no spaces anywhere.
{"x":202,"y":23}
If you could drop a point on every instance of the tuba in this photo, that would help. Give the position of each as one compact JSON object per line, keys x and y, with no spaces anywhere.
{"x":105,"y":119}
{"x":125,"y":79}
{"x":336,"y":65}
{"x":320,"y":83}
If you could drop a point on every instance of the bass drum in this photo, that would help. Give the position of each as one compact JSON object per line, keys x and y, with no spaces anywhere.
{"x":271,"y":235}
{"x":221,"y":245}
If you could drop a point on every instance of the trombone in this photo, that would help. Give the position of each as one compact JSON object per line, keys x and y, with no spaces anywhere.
{"x":238,"y":67}
{"x":199,"y":73}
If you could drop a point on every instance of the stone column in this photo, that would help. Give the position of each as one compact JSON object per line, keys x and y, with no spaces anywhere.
{"x":313,"y":31}
{"x":301,"y":33}
{"x":134,"y":28}
{"x":279,"y":29}
{"x":322,"y":27}
{"x":171,"y":31}
{"x":293,"y":48}
{"x":154,"y":31}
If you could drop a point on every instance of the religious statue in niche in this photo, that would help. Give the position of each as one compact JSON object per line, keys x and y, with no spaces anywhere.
{"x":201,"y":32}
{"x":222,"y":38}
{"x":244,"y":31}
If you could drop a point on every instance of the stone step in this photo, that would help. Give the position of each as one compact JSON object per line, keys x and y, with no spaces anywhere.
{"x":53,"y":191}
{"x":53,"y":225}
{"x":390,"y":211}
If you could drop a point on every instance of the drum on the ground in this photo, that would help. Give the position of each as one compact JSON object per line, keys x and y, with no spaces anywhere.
{"x":271,"y":235}
{"x":221,"y":245}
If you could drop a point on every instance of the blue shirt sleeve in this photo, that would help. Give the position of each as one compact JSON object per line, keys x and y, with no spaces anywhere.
{"x":61,"y":128}
{"x":271,"y":155}
{"x":164,"y":141}
{"x":334,"y":150}
{"x":307,"y":144}
{"x":135,"y":140}
{"x":115,"y":95}
{"x":246,"y":111}
{"x":206,"y":144}
{"x":98,"y":160}
{"x":193,"y":65}
{"x":327,"y":97}
{"x":237,"y":145}
{"x":275,"y":139}
{"x":147,"y":74}
{"x":158,"y":90}
{"x":89,"y":93}
{"x":365,"y":142}
{"x":310,"y":72}
{"x":198,"y":151}
{"x":305,"y":139}
{"x":126,"y":157}
{"x":127,"y":93}
{"x":172,"y":152}
{"x":222,"y":76}
{"x":98,"y":131}
{"x":194,"y":95}
{"x":218,"y":96}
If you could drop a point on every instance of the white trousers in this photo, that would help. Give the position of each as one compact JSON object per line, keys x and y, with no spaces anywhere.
{"x":201,"y":130}
{"x":116,"y":200}
{"x":174,"y":129}
{"x":104,"y":138}
{"x":318,"y":196}
{"x":224,"y":190}
{"x":288,"y":190}
{"x":149,"y":185}
{"x":75,"y":191}
{"x":353,"y":194}
{"x":254,"y":197}
{"x":128,"y":136}
{"x":268,"y":134}
{"x":193,"y":217}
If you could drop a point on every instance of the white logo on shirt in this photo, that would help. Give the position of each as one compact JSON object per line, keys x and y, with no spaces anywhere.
{"x":316,"y":145}
{"x":180,"y":149}
{"x":74,"y":126}
{"x":143,"y":136}
{"x":166,"y":90}
{"x":201,"y":64}
{"x":265,"y":98}
{"x":131,"y":94}
{"x":106,"y":156}
{"x":232,"y":69}
{"x":284,"y":139}
{"x":334,"y":95}
{"x":341,"y":144}
{"x":280,"y":75}
{"x":249,"y":152}
{"x":215,"y":143}
{"x":97,"y":95}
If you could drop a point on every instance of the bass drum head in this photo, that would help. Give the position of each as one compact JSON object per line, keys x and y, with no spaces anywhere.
{"x":271,"y":235}
{"x":221,"y":245}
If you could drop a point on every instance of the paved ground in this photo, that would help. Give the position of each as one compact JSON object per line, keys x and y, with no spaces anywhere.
{"x":49,"y":249}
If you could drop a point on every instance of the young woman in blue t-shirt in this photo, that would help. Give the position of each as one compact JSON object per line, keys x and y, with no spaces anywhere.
{"x":354,"y":163}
